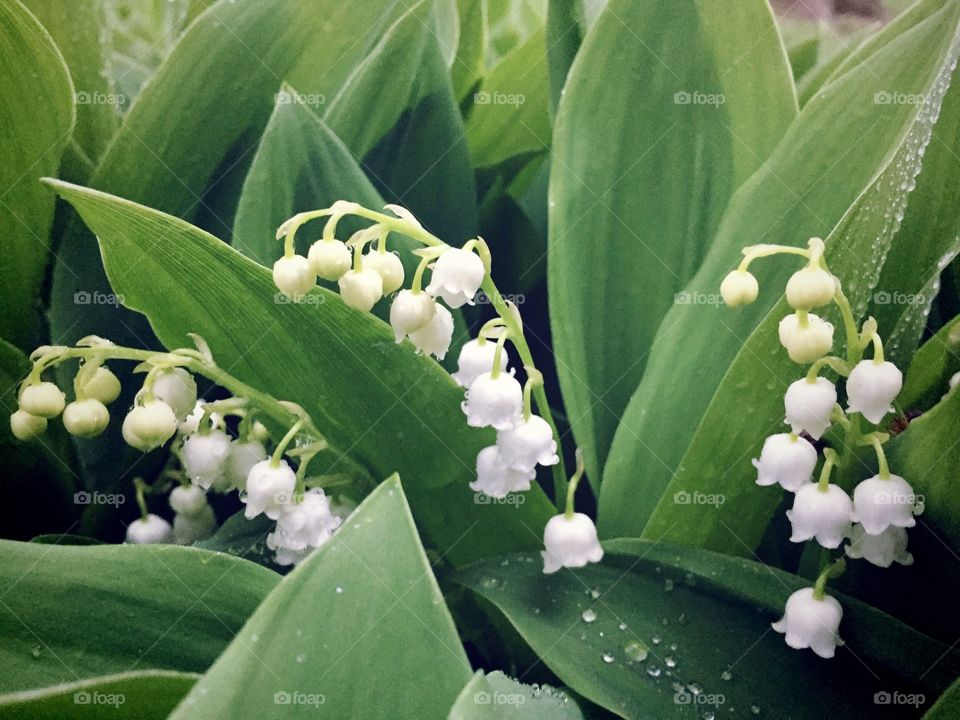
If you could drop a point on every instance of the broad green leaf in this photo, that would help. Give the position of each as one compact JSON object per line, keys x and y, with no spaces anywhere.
{"x":497,"y":696}
{"x":509,"y":113}
{"x":242,"y":538}
{"x":78,"y":28}
{"x":801,"y":38}
{"x":510,"y":23}
{"x":389,"y":408}
{"x":663,"y":631}
{"x":359,"y":629}
{"x":142,"y":695}
{"x":635,"y":203}
{"x":35,"y":126}
{"x":947,"y":706}
{"x":564,"y":34}
{"x":703,"y":408}
{"x":468,"y":64}
{"x":829,"y":60}
{"x":928,"y":377}
{"x":397,"y":112}
{"x":70,"y":613}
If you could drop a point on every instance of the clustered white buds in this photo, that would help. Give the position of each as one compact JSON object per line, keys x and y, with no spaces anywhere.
{"x":738,"y":288}
{"x":293,"y":276}
{"x":205,"y":457}
{"x":302,"y":526}
{"x":193,"y":518}
{"x":361,"y":289}
{"x":177,"y":388}
{"x":388,"y":266}
{"x":150,"y":425}
{"x":149,"y":530}
{"x":329,"y":259}
{"x":806,"y":337}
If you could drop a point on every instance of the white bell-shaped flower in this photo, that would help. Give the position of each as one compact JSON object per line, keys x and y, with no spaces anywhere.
{"x":329,"y":259}
{"x":954,"y":380}
{"x":809,"y":622}
{"x":188,"y":499}
{"x":809,"y":288}
{"x":435,"y":337}
{"x":86,"y":418}
{"x":149,"y":426}
{"x":494,"y":402}
{"x":44,"y":400}
{"x":361,"y":289}
{"x":786,"y":460}
{"x":205,"y":457}
{"x":881,"y":550}
{"x":102,"y":385}
{"x":820,"y":514}
{"x":410,"y":311}
{"x":475,"y":359}
{"x":880,"y":503}
{"x":302,"y":526}
{"x":191,"y":423}
{"x":177,"y":388}
{"x":150,"y":530}
{"x":243,"y":456}
{"x":806,"y":341}
{"x":269,"y":489}
{"x":872,"y":388}
{"x":570,"y":542}
{"x":497,"y":479}
{"x":528,"y":444}
{"x":188,"y":529}
{"x":738,"y":288}
{"x":26,"y":427}
{"x":293,"y":276}
{"x":389,"y":266}
{"x":457,"y":275}
{"x":808,"y":406}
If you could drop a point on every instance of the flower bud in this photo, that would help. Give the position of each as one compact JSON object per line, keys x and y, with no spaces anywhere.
{"x":191,"y":423}
{"x":807,"y":340}
{"x":457,"y":276}
{"x":188,"y":529}
{"x":410,"y":311}
{"x":329,"y":259}
{"x":205,"y":457}
{"x":361,"y":289}
{"x":177,"y":388}
{"x":243,"y":456}
{"x":786,"y":460}
{"x":150,"y":530}
{"x":880,"y":503}
{"x":494,"y":402}
{"x":269,"y":489}
{"x":820,"y":514}
{"x":881,"y":550}
{"x":570,"y":542}
{"x":808,"y":406}
{"x":149,"y":426}
{"x":188,"y":499}
{"x":44,"y":400}
{"x":388,"y":266}
{"x":434,"y":338}
{"x":738,"y":288}
{"x":25,"y":426}
{"x":475,"y":360}
{"x":872,"y":388}
{"x":497,"y":479}
{"x":102,"y":385}
{"x":528,"y":444}
{"x":86,"y":418}
{"x":809,"y":288}
{"x":811,"y":622}
{"x":293,"y":276}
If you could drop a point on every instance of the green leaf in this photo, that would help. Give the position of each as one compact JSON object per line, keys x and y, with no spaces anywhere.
{"x":363,"y":612}
{"x":70,"y":613}
{"x":242,"y":538}
{"x":389,"y":408}
{"x":734,"y":375}
{"x":634,"y":205}
{"x":947,"y":706}
{"x":635,"y":633}
{"x":142,"y":695}
{"x":928,"y":377}
{"x":495,"y":695}
{"x":565,"y":32}
{"x":468,"y":64}
{"x":37,"y":121}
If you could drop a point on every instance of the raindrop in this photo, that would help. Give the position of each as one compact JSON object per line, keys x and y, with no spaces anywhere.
{"x":636,"y":651}
{"x":755,"y":709}
{"x":589,"y":615}
{"x":667,"y":585}
{"x":670,"y":662}
{"x":726,"y":675}
{"x":301,"y":658}
{"x":608,"y":658}
{"x":653,"y":671}
{"x":36,"y":651}
{"x":622,"y":626}
{"x":656,"y":639}
{"x":595,"y":593}
{"x":490,"y":582}
{"x":338,"y":590}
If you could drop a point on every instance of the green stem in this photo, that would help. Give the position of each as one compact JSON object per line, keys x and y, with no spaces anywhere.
{"x":282,"y":445}
{"x":834,"y":363}
{"x":854,"y":353}
{"x":877,"y":349}
{"x":572,"y":485}
{"x":498,"y":355}
{"x":141,"y":487}
{"x":417,"y":285}
{"x":830,"y":461}
{"x":877,"y":440}
{"x":832,"y":570}
{"x":753,"y":252}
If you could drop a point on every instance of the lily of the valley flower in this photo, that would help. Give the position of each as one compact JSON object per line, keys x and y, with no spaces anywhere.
{"x":177,"y":388}
{"x":26,"y":427}
{"x":786,"y":459}
{"x":191,"y":423}
{"x":188,"y":529}
{"x":496,"y":478}
{"x":243,"y":456}
{"x":881,"y":550}
{"x":806,"y":338}
{"x":739,"y":287}
{"x":187,"y":499}
{"x":410,"y":311}
{"x":149,"y":530}
{"x":388,"y":265}
{"x":528,"y":444}
{"x":329,"y":259}
{"x":570,"y":541}
{"x":808,"y":406}
{"x":872,"y":388}
{"x":269,"y":489}
{"x":434,"y":338}
{"x":102,"y":385}
{"x":361,"y":289}
{"x":149,"y":426}
{"x":821,"y":513}
{"x":293,"y":276}
{"x":880,"y":503}
{"x":205,"y":456}
{"x":302,"y":526}
{"x":811,"y":622}
{"x":477,"y":358}
{"x":43,"y":399}
{"x":810,"y":287}
{"x":494,"y":401}
{"x":86,"y":418}
{"x":457,"y":276}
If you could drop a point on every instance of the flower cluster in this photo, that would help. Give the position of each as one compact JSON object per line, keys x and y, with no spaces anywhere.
{"x":873,"y":521}
{"x":494,"y":397}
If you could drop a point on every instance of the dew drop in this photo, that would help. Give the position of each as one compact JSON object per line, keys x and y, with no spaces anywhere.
{"x":726,"y":675}
{"x":656,"y":639}
{"x":653,"y":671}
{"x":755,"y":709}
{"x":608,"y":658}
{"x":589,"y":615}
{"x":338,"y":590}
{"x":670,"y":662}
{"x":636,"y":651}
{"x":667,"y":585}
{"x":301,"y":658}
